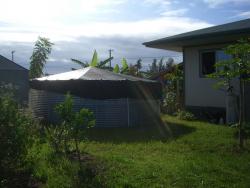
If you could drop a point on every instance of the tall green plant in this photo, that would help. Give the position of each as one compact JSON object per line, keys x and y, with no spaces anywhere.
{"x":238,"y":67}
{"x":73,"y":124}
{"x":15,"y":137}
{"x":125,"y":67}
{"x":94,"y":62}
{"x":39,"y":56}
{"x":116,"y":69}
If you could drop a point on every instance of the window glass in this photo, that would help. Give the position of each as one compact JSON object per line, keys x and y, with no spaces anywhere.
{"x":220,"y":55}
{"x":208,"y":60}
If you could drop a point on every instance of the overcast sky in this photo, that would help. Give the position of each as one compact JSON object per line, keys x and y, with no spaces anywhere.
{"x":77,"y":27}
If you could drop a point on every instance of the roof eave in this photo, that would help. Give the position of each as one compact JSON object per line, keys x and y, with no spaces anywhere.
{"x":177,"y":44}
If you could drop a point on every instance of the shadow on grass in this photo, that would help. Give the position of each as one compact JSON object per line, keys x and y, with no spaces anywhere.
{"x":158,"y":130}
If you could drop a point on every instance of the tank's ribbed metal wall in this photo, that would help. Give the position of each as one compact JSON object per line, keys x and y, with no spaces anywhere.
{"x":108,"y":113}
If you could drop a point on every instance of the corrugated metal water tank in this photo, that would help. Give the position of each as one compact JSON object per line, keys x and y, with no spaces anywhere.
{"x":117,"y":100}
{"x":108,"y":113}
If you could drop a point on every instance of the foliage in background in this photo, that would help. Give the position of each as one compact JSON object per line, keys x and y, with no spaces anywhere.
{"x":125,"y":67}
{"x":116,"y":69}
{"x":39,"y":57}
{"x":131,"y":69}
{"x":185,"y":115}
{"x":160,"y":66}
{"x":237,"y":67}
{"x":173,"y":99}
{"x":94,"y":62}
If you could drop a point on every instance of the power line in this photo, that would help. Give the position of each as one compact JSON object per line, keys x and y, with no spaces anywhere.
{"x":110,"y":55}
{"x":12,"y":55}
{"x":172,"y":56}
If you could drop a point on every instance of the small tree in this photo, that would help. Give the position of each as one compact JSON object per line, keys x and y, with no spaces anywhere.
{"x":39,"y":56}
{"x":238,"y":67}
{"x":73,"y":125}
{"x":82,"y":120}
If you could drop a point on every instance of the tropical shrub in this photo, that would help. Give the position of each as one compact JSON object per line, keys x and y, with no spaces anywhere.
{"x":72,"y":127}
{"x":185,"y":115}
{"x":16,"y":136}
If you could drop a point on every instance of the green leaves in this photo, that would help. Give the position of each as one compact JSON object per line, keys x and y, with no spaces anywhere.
{"x":65,"y":109}
{"x":73,"y":124}
{"x":84,"y":119}
{"x":39,"y":56}
{"x":116,"y":69}
{"x":236,"y":67}
{"x":94,"y":61}
{"x":82,"y":64}
{"x":16,"y":134}
{"x":124,"y":65}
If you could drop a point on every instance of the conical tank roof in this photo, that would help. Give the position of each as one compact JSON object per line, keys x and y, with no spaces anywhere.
{"x":91,"y":73}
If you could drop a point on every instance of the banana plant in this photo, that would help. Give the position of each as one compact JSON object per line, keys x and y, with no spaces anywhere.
{"x":116,"y":69}
{"x":94,"y":62}
{"x":124,"y":66}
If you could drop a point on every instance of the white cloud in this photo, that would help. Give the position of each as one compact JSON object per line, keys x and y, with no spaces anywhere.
{"x":44,"y":12}
{"x":244,"y":14}
{"x":95,"y":5}
{"x":149,"y":28}
{"x":178,"y":12}
{"x":162,"y":2}
{"x":216,"y":3}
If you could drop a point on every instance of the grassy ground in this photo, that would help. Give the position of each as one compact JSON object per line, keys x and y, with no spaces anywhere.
{"x":177,"y":154}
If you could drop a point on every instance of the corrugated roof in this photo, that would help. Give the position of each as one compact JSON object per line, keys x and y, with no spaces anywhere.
{"x":238,"y":27}
{"x":91,"y":73}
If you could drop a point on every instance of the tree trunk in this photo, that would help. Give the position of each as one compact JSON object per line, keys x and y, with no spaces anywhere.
{"x":242,"y":114}
{"x":78,"y":153}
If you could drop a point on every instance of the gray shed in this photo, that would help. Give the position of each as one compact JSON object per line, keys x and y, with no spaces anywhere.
{"x":17,"y":76}
{"x":117,"y":100}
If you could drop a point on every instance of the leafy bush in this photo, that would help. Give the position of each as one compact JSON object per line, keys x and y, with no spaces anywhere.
{"x":16,"y":136}
{"x":72,"y":126}
{"x":185,"y":115}
{"x":169,"y":103}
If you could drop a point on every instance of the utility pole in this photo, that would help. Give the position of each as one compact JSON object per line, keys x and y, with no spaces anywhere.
{"x":12,"y":55}
{"x":110,"y":55}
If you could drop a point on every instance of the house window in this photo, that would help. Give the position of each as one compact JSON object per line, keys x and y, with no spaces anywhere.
{"x":208,"y":60}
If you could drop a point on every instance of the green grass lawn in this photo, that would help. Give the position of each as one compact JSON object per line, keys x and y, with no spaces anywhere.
{"x":177,"y":154}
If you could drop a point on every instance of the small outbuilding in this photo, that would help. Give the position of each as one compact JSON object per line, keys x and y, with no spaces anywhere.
{"x":16,"y":76}
{"x":117,"y":100}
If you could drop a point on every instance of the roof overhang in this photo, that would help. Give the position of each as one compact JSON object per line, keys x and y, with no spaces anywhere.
{"x":176,"y":43}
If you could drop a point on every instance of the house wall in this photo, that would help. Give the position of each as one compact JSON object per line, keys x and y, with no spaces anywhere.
{"x":19,"y":78}
{"x":200,"y":91}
